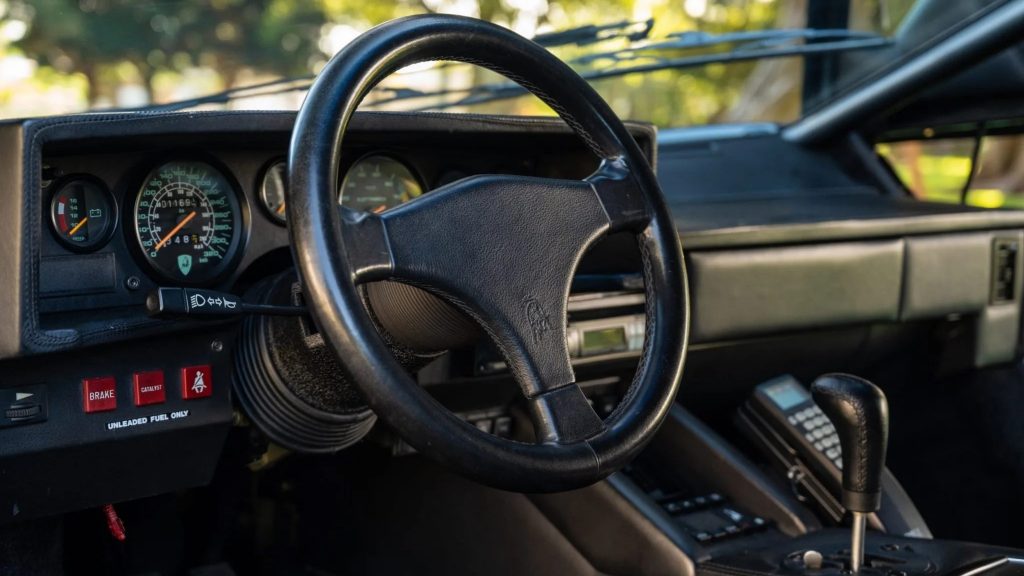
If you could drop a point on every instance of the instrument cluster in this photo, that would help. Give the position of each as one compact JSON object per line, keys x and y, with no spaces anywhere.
{"x":188,"y":219}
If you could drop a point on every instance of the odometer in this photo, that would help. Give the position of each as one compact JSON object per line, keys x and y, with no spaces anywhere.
{"x":188,"y":221}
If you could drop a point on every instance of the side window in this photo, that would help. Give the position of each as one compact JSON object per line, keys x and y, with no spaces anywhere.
{"x":938,"y":170}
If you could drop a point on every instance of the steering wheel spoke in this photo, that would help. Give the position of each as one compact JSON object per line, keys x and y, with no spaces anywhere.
{"x":366,"y":245}
{"x":564,"y":415}
{"x":620,"y":196}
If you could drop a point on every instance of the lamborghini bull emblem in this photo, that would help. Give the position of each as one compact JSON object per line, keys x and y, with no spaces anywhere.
{"x":185,"y":264}
{"x":540,"y":324}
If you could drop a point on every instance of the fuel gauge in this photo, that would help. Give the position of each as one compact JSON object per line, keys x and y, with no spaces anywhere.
{"x":82,"y":213}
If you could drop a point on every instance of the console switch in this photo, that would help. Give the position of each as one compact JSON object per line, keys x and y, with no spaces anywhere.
{"x":149,"y":388}
{"x":196,"y":382}
{"x":99,"y":394}
{"x":24,"y":405}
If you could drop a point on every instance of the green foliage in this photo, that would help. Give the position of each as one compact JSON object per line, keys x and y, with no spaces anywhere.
{"x":277,"y":36}
{"x":937,"y":170}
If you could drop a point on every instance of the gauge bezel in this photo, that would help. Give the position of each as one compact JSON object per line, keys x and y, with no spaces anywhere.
{"x":54,"y":190}
{"x":420,"y":181}
{"x":261,"y":180}
{"x":235,"y":252}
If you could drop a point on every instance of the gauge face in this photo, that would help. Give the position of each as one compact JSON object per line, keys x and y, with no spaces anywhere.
{"x":188,"y":221}
{"x":272,"y":191}
{"x":376,"y":182}
{"x":83,"y":214}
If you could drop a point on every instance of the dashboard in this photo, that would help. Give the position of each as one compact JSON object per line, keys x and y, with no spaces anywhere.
{"x":103,"y":209}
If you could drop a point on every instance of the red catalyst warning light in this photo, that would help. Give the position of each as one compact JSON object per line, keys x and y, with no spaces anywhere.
{"x":149,"y":388}
{"x":99,"y":394}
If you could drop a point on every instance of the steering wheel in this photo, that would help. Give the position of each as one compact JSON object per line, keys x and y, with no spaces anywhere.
{"x":503,"y":249}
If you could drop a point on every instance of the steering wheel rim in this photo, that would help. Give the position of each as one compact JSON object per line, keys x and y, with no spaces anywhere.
{"x":482,"y":222}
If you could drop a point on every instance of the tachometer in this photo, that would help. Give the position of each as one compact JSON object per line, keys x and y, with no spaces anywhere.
{"x":188,"y":221}
{"x":377,"y":182}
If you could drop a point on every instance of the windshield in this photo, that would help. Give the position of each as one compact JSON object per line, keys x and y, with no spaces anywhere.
{"x":670,"y":62}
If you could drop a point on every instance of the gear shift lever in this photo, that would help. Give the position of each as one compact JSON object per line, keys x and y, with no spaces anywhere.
{"x":860,"y":413}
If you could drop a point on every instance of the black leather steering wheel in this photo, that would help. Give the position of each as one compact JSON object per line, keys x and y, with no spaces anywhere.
{"x":501,"y":248}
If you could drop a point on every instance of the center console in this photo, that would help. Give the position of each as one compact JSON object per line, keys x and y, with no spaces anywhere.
{"x":853,"y":412}
{"x":706,"y":516}
{"x":826,"y":553}
{"x":703,"y":507}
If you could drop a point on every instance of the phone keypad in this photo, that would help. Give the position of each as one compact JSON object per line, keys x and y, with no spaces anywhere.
{"x":819,"y":431}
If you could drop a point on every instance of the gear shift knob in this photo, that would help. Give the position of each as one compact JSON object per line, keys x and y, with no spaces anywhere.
{"x":859,"y":411}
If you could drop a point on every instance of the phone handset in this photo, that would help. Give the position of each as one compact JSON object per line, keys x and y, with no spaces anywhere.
{"x":783,"y":421}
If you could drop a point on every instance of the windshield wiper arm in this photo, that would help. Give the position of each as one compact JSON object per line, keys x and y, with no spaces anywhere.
{"x":747,"y":40}
{"x":270,"y":87}
{"x":593,"y":33}
{"x":500,"y":91}
{"x":580,"y":36}
{"x":751,"y":45}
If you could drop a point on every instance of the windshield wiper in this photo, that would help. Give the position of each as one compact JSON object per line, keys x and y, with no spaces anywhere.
{"x":641,"y":56}
{"x":749,"y":46}
{"x":579,"y":36}
{"x":592,"y":33}
{"x":822,"y":39}
{"x":268,"y":88}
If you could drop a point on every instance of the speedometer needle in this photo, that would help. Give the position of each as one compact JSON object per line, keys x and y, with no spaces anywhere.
{"x":175,"y":230}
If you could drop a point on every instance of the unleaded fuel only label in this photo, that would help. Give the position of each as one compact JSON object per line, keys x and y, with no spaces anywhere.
{"x":143,"y":420}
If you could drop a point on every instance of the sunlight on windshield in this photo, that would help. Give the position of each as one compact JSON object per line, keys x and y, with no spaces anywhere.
{"x":61,"y":56}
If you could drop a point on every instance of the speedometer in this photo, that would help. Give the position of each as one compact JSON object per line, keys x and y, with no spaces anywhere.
{"x":188,"y":221}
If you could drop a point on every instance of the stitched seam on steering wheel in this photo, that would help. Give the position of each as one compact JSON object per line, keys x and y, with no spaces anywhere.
{"x":649,"y":320}
{"x":538,"y":92}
